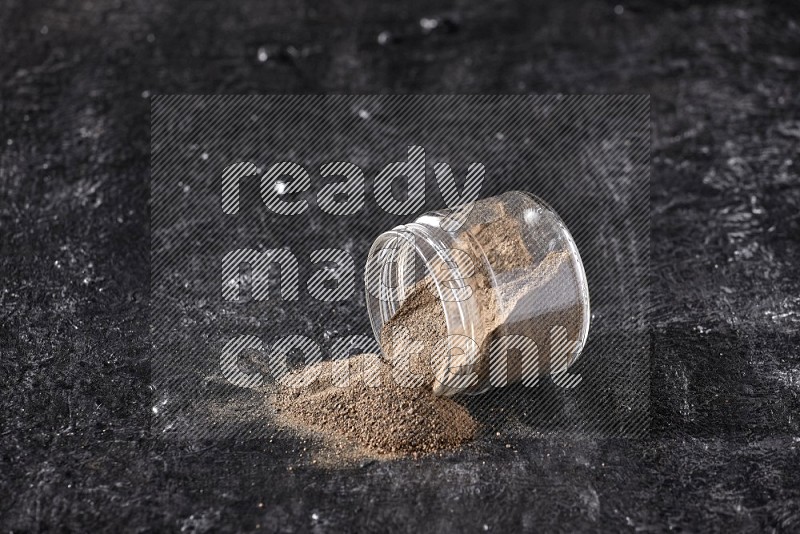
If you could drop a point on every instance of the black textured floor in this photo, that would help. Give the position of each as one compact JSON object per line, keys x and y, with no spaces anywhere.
{"x":75,"y":449}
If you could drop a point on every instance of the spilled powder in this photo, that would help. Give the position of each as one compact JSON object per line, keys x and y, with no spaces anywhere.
{"x":374,"y":411}
{"x":399,"y":408}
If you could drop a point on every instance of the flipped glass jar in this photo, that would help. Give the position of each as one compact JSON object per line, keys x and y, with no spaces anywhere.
{"x":485,"y":295}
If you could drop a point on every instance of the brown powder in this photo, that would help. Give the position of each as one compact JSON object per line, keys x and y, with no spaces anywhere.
{"x":375,"y":412}
{"x":397,"y":407}
{"x":421,"y":315}
{"x":502,"y":245}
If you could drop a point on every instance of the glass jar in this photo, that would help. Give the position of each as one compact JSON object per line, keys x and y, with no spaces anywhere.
{"x":483,"y":295}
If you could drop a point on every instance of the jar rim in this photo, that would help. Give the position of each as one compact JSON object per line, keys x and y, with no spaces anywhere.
{"x":428,"y":245}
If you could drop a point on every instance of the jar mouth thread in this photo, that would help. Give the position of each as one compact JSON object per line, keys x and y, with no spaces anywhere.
{"x":398,"y":274}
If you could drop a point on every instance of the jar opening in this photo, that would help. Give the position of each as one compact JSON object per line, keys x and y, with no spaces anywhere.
{"x":413,"y":254}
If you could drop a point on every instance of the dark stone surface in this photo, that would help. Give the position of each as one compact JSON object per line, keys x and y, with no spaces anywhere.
{"x":75,"y":449}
